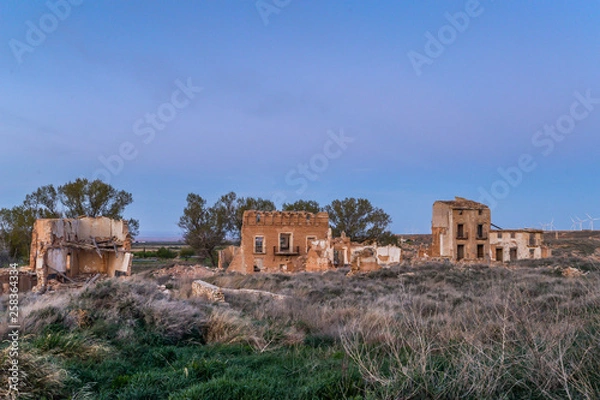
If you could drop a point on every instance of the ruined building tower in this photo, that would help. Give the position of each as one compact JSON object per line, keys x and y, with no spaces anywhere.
{"x":460,"y":230}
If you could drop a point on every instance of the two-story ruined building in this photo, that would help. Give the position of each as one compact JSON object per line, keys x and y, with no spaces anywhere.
{"x":277,"y":241}
{"x":462,"y":231}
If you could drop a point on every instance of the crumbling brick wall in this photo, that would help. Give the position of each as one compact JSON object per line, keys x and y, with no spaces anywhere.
{"x":73,"y":247}
{"x":274,"y":241}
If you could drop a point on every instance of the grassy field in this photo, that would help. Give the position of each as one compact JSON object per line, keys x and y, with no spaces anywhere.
{"x":428,"y":332}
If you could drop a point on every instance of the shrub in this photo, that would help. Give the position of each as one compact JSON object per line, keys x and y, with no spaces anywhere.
{"x":186,"y":252}
{"x":145,"y":254}
{"x":163,"y":252}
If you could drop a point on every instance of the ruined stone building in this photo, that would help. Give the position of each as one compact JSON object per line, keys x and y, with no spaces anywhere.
{"x":461,"y":231}
{"x":519,"y":244}
{"x":294,"y":241}
{"x":278,"y":241}
{"x":69,"y":248}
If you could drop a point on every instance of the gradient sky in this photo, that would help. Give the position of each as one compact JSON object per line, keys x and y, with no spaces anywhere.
{"x":273,"y":93}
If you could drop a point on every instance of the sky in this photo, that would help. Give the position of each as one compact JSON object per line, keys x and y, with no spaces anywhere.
{"x":402,"y":103}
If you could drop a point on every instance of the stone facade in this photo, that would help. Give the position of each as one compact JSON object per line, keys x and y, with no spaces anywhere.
{"x":279,"y":241}
{"x":460,"y":230}
{"x":71,"y":247}
{"x":295,"y":241}
{"x":519,"y":244}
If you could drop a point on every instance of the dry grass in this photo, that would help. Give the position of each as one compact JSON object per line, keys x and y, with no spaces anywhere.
{"x":40,"y":377}
{"x":441,"y":331}
{"x":436,"y":331}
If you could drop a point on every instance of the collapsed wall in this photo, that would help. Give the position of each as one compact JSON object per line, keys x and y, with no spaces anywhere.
{"x":73,"y":247}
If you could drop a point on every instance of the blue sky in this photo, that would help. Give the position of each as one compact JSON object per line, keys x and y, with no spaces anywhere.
{"x":280,"y":78}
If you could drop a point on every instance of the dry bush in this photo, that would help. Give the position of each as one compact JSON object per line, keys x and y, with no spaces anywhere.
{"x":441,"y":331}
{"x":125,"y":304}
{"x":42,"y":310}
{"x":524,"y":341}
{"x":139,"y":303}
{"x":226,"y":326}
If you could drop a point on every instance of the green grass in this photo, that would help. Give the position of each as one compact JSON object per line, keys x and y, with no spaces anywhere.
{"x":219,"y":372}
{"x":148,"y":369}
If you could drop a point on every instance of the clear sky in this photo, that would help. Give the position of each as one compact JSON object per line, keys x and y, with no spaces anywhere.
{"x":401,"y":102}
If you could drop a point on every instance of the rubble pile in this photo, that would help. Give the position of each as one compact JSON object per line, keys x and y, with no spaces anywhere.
{"x":184,"y":271}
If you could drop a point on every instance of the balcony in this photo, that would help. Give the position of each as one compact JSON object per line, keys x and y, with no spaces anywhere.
{"x":286,"y":252}
{"x":462,"y":236}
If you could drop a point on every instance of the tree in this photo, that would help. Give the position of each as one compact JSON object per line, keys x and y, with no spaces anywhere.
{"x":204,"y":227}
{"x":250,"y":203}
{"x":43,"y":202}
{"x":133,"y":225}
{"x":387,"y":238}
{"x":15,"y":230}
{"x":359,"y":219}
{"x":232,"y":209}
{"x":303,"y":205}
{"x":16,"y":223}
{"x":78,"y":198}
{"x":96,"y":199}
{"x":93,"y":199}
{"x":227,"y":206}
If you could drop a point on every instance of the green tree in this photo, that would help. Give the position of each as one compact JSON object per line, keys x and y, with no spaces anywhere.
{"x":227,"y":206}
{"x":387,"y":238}
{"x":359,"y":219}
{"x":133,"y":226}
{"x":93,"y":199}
{"x":16,"y":223}
{"x":303,"y":205}
{"x":78,"y":198}
{"x":44,"y":202}
{"x":204,"y":228}
{"x":232,"y":208}
{"x":15,"y":230}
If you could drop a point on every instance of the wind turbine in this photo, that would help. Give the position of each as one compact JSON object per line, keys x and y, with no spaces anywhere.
{"x":580,"y":222}
{"x":591,"y":220}
{"x":552,"y":225}
{"x":544,"y":226}
{"x":574,"y":225}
